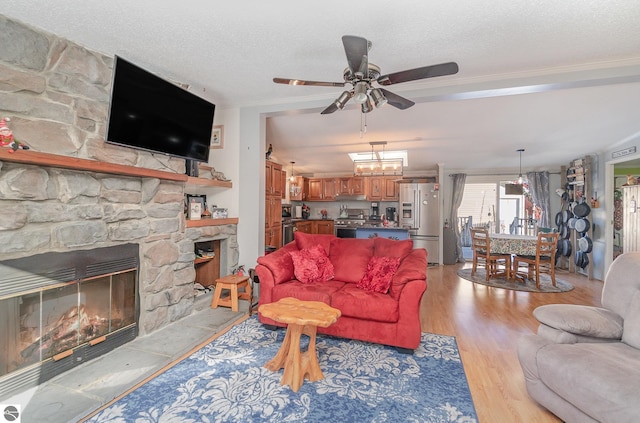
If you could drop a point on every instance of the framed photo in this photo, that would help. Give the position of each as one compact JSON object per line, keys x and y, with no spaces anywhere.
{"x":196,"y":205}
{"x":217,"y":136}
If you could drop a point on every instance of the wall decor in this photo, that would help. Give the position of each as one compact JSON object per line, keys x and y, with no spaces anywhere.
{"x":217,"y":136}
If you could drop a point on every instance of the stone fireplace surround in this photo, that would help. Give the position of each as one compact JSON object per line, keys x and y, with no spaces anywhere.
{"x":56,"y":93}
{"x":47,"y":209}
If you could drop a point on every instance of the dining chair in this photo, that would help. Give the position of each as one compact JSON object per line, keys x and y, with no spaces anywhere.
{"x":482,"y":256}
{"x":526,"y":226}
{"x":543,"y":262}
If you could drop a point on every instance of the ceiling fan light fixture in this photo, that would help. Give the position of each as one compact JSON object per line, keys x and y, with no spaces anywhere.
{"x":367,"y":106}
{"x":360,"y":92}
{"x":378,"y":98}
{"x":342,"y":100}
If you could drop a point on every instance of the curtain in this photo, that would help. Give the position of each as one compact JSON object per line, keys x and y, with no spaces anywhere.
{"x":539,"y":188}
{"x":458,"y":180}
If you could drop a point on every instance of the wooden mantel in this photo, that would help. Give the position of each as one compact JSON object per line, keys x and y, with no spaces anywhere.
{"x":66,"y":162}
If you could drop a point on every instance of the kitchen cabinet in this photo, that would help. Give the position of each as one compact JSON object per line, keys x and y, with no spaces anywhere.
{"x":382,"y":188}
{"x":324,"y":227}
{"x":351,"y":186}
{"x":302,"y":195}
{"x":273,"y":204}
{"x":283,"y":184}
{"x":390,"y":192}
{"x":315,"y":226}
{"x":322,"y":189}
{"x":305,"y":226}
{"x":273,"y":181}
{"x":375,"y":186}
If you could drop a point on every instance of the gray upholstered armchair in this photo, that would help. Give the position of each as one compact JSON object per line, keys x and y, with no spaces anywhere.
{"x":584,"y":363}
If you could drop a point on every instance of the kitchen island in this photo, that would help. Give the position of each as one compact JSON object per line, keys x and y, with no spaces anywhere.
{"x":383,"y":232}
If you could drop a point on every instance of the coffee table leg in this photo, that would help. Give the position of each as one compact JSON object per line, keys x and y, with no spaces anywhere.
{"x":297,"y":364}
{"x":310,"y":364}
{"x":279,"y":360}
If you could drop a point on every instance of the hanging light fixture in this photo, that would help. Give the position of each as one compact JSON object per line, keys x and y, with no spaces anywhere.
{"x":378,"y":164}
{"x":294,"y":188}
{"x":520,"y":178}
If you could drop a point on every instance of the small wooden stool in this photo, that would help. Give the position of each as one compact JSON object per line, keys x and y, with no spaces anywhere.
{"x":232,"y":283}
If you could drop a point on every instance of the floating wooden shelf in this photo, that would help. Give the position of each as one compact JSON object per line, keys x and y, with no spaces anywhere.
{"x":202,"y":182}
{"x":66,"y":162}
{"x":202,"y":260}
{"x":211,"y":222}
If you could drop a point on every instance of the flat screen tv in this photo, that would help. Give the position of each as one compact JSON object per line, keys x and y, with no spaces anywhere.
{"x":152,"y":114}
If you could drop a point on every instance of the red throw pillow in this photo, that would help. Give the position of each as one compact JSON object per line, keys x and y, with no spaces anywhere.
{"x":312,"y":265}
{"x":380,"y":271}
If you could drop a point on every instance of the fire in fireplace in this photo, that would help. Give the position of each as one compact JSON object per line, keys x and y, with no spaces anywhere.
{"x":58,"y":310}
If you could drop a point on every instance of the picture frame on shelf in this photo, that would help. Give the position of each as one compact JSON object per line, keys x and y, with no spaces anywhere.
{"x":195,"y":205}
{"x":217,"y":136}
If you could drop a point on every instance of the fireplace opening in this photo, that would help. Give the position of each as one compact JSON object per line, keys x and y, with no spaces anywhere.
{"x":58,"y":310}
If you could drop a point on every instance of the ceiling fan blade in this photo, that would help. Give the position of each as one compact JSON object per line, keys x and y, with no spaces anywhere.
{"x":303,"y":82}
{"x":396,"y":101}
{"x":442,"y":69}
{"x":357,"y":51}
{"x":332,"y":108}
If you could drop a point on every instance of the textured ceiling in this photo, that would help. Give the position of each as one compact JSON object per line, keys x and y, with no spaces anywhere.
{"x":560,"y":79}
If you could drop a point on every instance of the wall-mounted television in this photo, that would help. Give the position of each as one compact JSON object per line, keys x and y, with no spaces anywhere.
{"x":149,"y":113}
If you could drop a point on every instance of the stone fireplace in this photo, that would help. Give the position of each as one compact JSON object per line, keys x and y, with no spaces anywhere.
{"x":82,"y":198}
{"x":51,"y":217}
{"x":58,"y":310}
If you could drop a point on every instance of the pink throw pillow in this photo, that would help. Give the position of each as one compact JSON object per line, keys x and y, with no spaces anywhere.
{"x":312,"y":265}
{"x":380,"y":271}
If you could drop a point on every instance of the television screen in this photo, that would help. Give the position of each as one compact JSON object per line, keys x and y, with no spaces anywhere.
{"x":152,"y":114}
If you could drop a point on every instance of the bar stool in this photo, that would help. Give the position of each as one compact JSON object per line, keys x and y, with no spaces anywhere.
{"x":232,"y":283}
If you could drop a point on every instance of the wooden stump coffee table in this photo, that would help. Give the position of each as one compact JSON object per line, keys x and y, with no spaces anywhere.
{"x":301,"y":317}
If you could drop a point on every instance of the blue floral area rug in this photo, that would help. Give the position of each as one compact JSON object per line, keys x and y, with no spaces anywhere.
{"x":225,"y":381}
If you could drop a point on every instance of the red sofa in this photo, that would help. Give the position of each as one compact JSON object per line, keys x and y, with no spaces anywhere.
{"x":391,"y":318}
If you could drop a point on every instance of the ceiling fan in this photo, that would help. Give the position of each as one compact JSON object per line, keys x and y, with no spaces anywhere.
{"x":361,"y":74}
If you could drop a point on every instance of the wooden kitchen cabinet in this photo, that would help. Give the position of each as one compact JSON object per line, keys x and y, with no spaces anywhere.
{"x":322,"y":189}
{"x":273,"y":182}
{"x":305,"y":226}
{"x":351,"y":186}
{"x":315,"y":226}
{"x":273,"y":204}
{"x":390,"y":192}
{"x":375,"y":187}
{"x":324,"y":227}
{"x":303,"y":183}
{"x":283,"y":184}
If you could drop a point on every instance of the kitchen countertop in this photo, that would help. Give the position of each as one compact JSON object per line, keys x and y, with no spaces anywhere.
{"x":383,"y":228}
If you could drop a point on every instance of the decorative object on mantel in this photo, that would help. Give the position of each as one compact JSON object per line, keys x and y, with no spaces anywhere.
{"x":217,"y":137}
{"x":7,"y":139}
{"x":209,"y":172}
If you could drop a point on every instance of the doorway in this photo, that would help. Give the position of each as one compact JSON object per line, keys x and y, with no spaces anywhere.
{"x":613,"y":237}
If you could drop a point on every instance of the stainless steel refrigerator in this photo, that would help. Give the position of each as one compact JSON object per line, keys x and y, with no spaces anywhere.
{"x":420,"y":213}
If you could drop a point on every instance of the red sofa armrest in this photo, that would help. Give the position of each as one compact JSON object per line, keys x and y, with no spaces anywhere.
{"x":413,"y":266}
{"x":273,"y":269}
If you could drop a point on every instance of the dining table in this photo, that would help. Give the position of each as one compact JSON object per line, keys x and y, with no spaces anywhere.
{"x":523,"y":245}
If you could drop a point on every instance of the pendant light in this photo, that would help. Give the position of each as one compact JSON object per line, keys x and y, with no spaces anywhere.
{"x":520,"y":178}
{"x":294,"y":189}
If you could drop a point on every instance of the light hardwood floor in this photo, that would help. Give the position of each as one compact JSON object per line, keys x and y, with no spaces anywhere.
{"x":487,"y":323}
